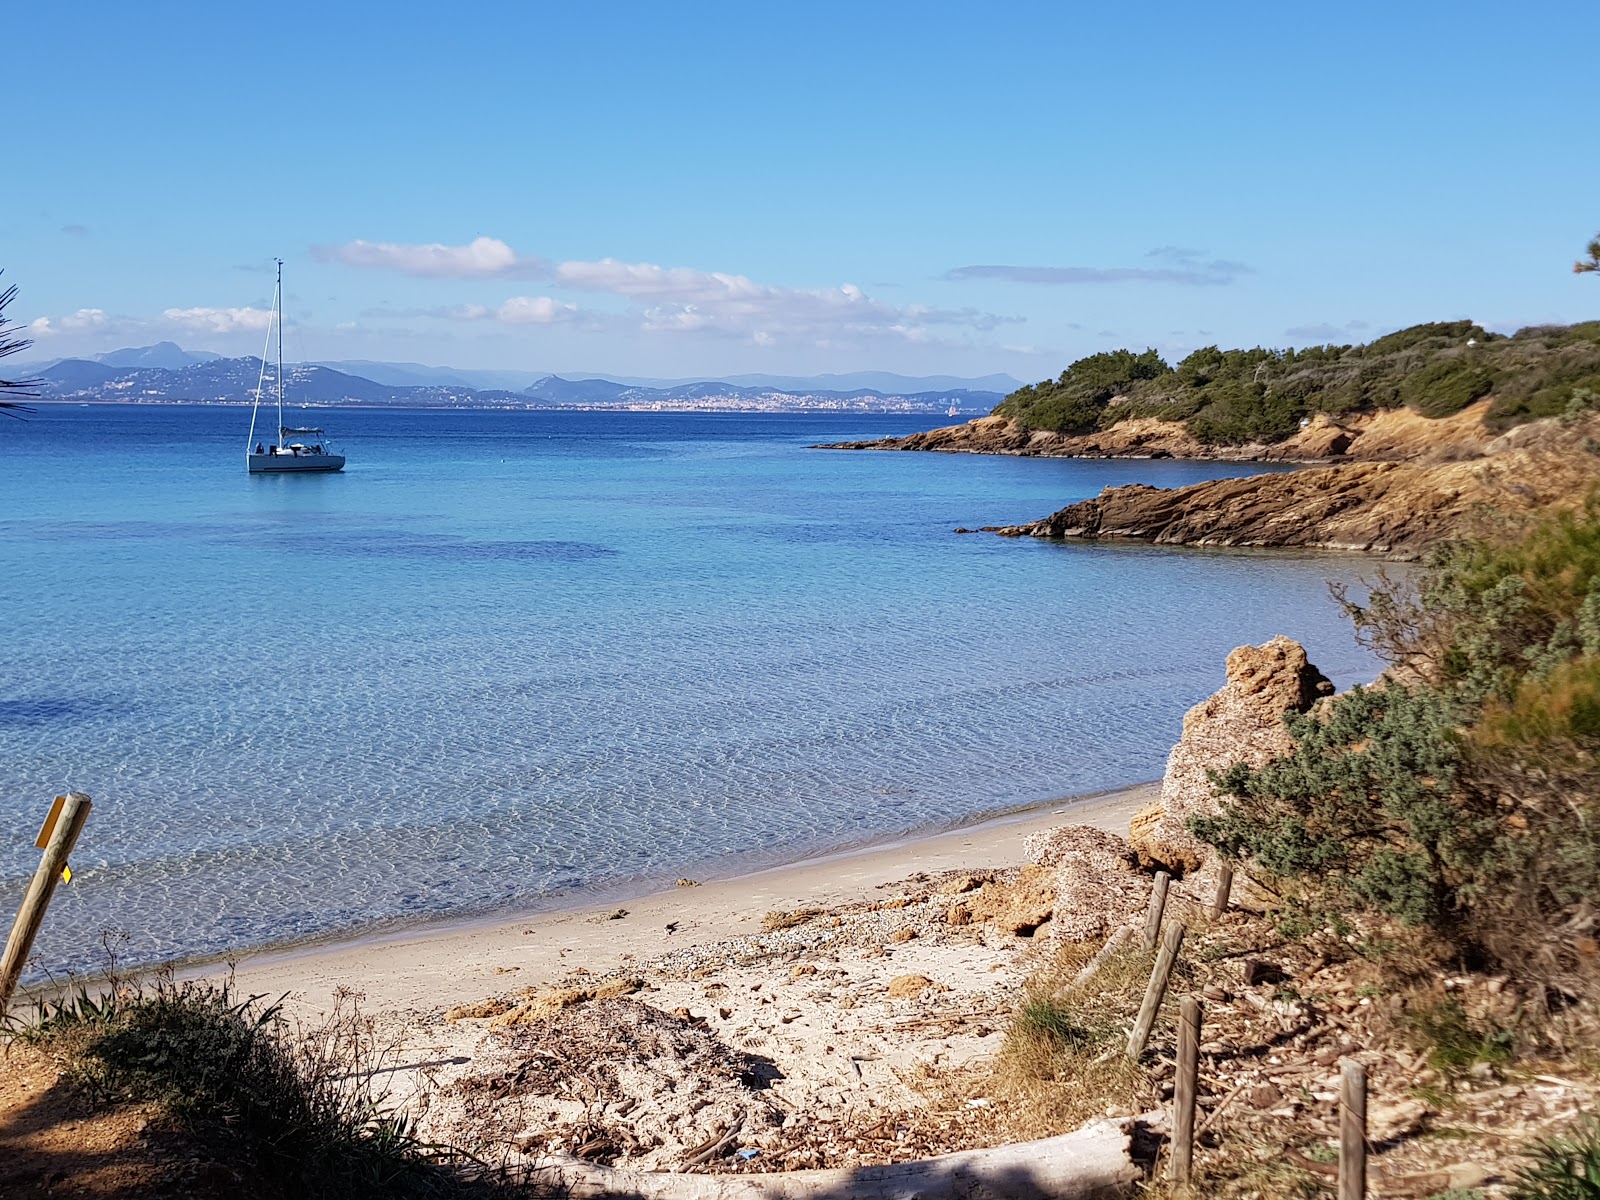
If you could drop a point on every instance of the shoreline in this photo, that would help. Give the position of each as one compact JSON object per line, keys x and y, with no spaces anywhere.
{"x":457,"y":960}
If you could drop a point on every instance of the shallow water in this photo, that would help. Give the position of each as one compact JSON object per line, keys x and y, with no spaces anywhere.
{"x":505,"y":655}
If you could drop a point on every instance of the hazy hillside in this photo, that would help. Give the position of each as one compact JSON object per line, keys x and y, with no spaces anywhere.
{"x":234,"y":380}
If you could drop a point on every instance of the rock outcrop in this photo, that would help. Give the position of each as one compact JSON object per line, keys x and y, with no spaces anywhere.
{"x":1389,"y":435}
{"x":1242,"y":722}
{"x":1096,"y":885}
{"x":1393,"y":508}
{"x":1392,"y":482}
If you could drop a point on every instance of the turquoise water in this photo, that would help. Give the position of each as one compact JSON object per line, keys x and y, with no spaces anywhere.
{"x":509,"y":655}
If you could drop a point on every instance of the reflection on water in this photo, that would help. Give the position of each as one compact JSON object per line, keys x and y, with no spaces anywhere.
{"x":509,"y":654}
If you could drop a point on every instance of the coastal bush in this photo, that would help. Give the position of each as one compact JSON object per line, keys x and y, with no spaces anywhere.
{"x":292,"y":1113}
{"x":1445,"y":387}
{"x":1234,"y":396}
{"x":1461,"y":793}
{"x":1245,"y":412}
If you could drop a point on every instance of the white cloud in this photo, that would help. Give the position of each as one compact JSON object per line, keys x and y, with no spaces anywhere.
{"x":219,"y":320}
{"x":681,"y":300}
{"x":85,"y":320}
{"x":1187,"y":267}
{"x":481,"y":258}
{"x":534,"y":310}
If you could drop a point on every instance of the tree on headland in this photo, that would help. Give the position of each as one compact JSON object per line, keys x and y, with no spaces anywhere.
{"x":1592,"y":263}
{"x":11,"y":344}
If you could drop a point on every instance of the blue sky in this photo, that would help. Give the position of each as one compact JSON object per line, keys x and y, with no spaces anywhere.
{"x":704,"y":189}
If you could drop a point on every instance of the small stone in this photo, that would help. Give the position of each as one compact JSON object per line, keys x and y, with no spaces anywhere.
{"x":958,"y":914}
{"x":1468,"y":1175}
{"x":1387,"y":1122}
{"x":1264,"y":1095}
{"x":904,"y":935}
{"x":802,"y":969}
{"x":903,"y":987}
{"x":687,"y":883}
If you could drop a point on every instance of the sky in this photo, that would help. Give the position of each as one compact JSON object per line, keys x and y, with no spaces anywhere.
{"x":704,"y":189}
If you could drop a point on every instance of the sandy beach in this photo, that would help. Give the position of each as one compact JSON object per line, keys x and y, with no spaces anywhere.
{"x":454,"y":963}
{"x":863,"y":991}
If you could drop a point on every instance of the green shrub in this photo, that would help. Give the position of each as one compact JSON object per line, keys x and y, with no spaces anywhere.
{"x":296,"y":1116}
{"x":1446,"y":387}
{"x":1466,"y":799}
{"x":1366,"y":805}
{"x":1246,"y":395}
{"x":1563,"y":1168}
{"x":1242,"y":412}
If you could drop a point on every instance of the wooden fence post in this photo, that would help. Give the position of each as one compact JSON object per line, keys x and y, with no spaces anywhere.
{"x":1185,"y":1086}
{"x":1352,"y":1131}
{"x":1157,"y":989}
{"x":1158,"y":906}
{"x":1219,"y":904}
{"x":63,"y":836}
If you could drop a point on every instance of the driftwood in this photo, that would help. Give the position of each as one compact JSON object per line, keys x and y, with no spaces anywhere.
{"x":1094,"y":1163}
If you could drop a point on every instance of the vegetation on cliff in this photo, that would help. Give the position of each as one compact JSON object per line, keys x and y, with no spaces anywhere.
{"x":1231,"y":397}
{"x":1461,"y":793}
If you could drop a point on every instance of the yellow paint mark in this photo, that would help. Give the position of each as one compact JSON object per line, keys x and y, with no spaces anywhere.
{"x":43,"y":839}
{"x":66,"y":873}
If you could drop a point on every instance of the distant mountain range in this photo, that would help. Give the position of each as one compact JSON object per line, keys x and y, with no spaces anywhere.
{"x":168,"y":374}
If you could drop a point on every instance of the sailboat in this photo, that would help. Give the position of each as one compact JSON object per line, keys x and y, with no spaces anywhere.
{"x":296,"y":448}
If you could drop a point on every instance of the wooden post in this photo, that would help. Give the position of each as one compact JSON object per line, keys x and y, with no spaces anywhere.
{"x":1352,"y":1131}
{"x":64,"y":835}
{"x":1157,"y":989}
{"x":1185,"y":1086}
{"x":1219,"y":904}
{"x":1158,"y":906}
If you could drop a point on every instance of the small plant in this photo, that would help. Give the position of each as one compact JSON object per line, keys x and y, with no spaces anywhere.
{"x":1563,"y":1168}
{"x":1455,"y":1043}
{"x":1047,"y":1019}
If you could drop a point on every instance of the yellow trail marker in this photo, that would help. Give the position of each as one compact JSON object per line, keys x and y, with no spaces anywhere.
{"x":43,"y":839}
{"x":66,"y":874}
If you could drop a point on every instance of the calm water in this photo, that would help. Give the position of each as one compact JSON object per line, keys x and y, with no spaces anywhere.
{"x":505,"y":655}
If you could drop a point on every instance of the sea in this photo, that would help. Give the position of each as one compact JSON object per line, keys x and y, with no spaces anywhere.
{"x":510,"y":660}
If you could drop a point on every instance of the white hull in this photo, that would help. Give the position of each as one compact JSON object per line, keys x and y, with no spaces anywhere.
{"x":273,"y":464}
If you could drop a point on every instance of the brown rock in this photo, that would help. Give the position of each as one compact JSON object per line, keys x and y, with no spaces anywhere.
{"x":903,"y":987}
{"x":542,"y":1003}
{"x":965,"y":883}
{"x":1386,"y":1122}
{"x":903,"y":935}
{"x":617,"y":987}
{"x":958,"y":914}
{"x":1095,"y":884}
{"x":483,"y":1008}
{"x":1242,"y":722}
{"x":1020,"y":906}
{"x":1422,"y":481}
{"x":802,"y":969}
{"x":1264,"y":1095}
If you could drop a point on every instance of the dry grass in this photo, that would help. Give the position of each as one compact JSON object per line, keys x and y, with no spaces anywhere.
{"x":1064,"y":1059}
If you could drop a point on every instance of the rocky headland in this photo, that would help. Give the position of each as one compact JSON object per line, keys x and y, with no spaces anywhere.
{"x":1392,"y":482}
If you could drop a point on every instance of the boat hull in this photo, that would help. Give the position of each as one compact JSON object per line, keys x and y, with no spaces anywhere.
{"x":285,"y":464}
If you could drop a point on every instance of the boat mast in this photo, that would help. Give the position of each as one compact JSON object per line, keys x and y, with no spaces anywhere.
{"x":278,"y":296}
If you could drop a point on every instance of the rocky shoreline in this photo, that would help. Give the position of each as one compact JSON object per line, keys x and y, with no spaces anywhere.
{"x":1393,"y":483}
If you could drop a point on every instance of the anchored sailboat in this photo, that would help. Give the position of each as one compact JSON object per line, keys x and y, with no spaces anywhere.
{"x":308,"y":450}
